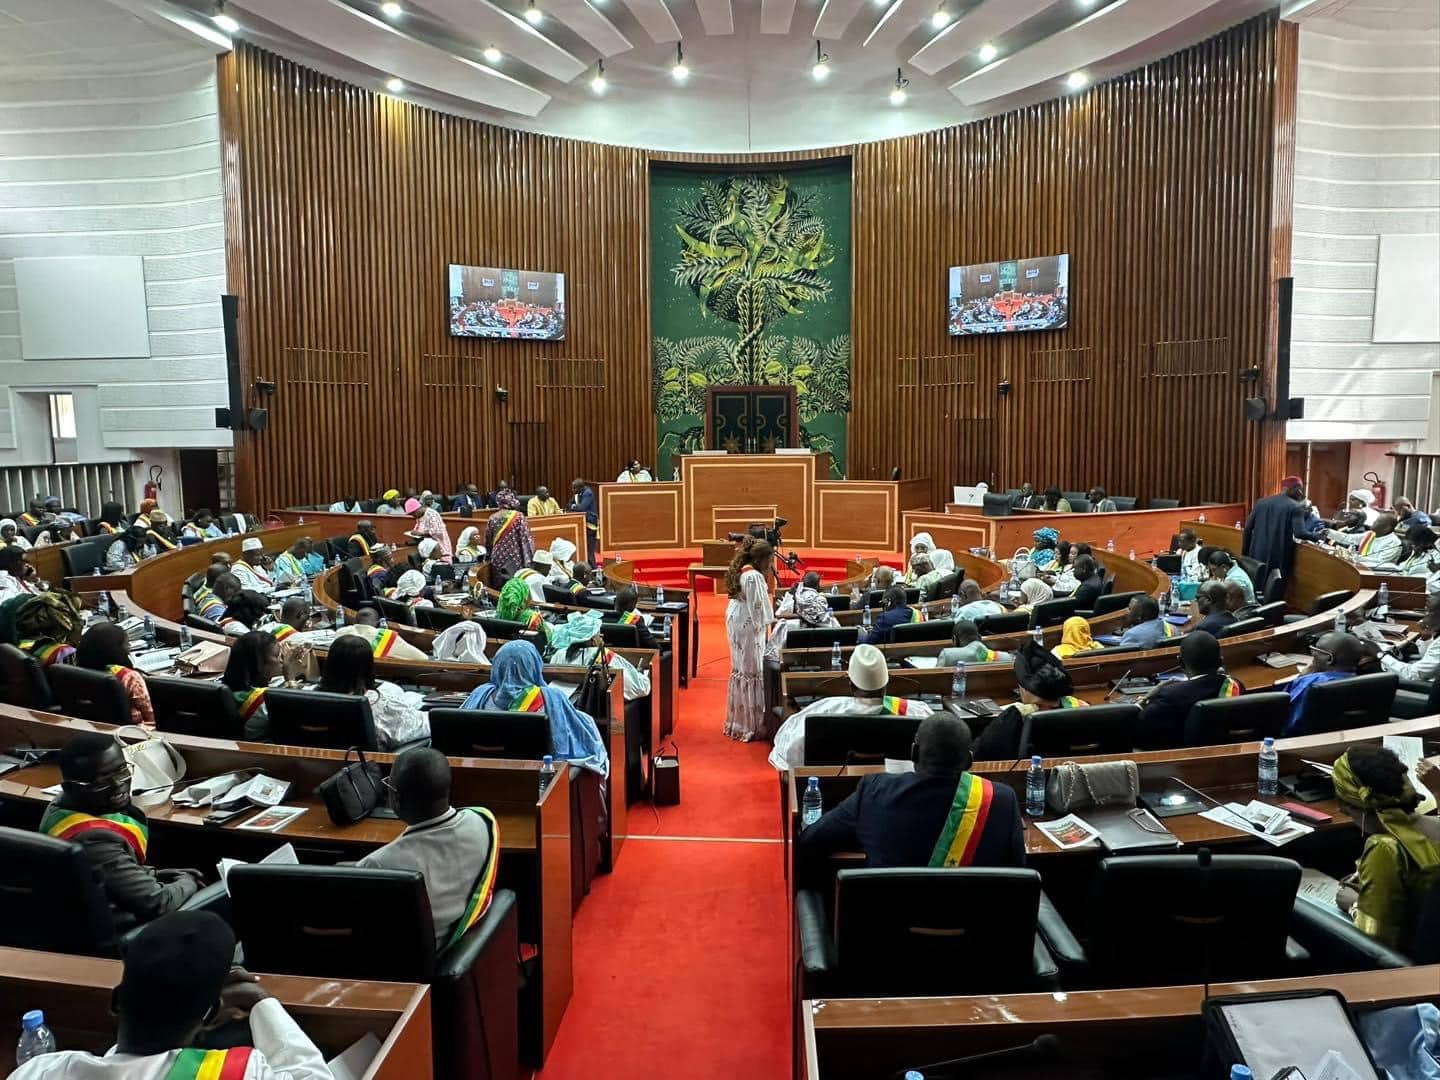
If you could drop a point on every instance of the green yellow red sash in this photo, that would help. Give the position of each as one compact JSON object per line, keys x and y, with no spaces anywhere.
{"x":211,"y":1064}
{"x":280,"y":630}
{"x":485,"y":885}
{"x":630,"y":618}
{"x":916,"y":615}
{"x":66,"y":824}
{"x":253,"y":700}
{"x":1228,"y":687}
{"x":894,"y":706}
{"x":384,"y":642}
{"x":1367,"y":542}
{"x":965,"y":824}
{"x":1070,"y":702}
{"x":29,"y":520}
{"x":48,"y":652}
{"x":575,"y":588}
{"x":532,"y":700}
{"x":106,"y":527}
{"x":364,"y":544}
{"x":375,"y":570}
{"x":987,"y":655}
{"x":512,"y":518}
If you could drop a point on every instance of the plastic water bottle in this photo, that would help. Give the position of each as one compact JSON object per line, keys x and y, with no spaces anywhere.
{"x":1382,"y":608}
{"x":834,"y":590}
{"x":659,"y":595}
{"x":149,"y":632}
{"x":102,"y":603}
{"x":666,"y":626}
{"x":1341,"y":624}
{"x":1035,"y":788}
{"x":547,"y":773}
{"x":1241,"y":1072}
{"x":339,"y":615}
{"x":185,"y":639}
{"x":1201,"y":517}
{"x":1005,"y":591}
{"x":810,"y":807}
{"x":954,"y":607}
{"x":121,"y":613}
{"x":1269,"y":768}
{"x":35,"y":1037}
{"x":384,"y":623}
{"x":1132,"y":554}
{"x":957,"y":684}
{"x":1164,"y":604}
{"x":1110,"y":544}
{"x":1037,"y":635}
{"x":855,"y":596}
{"x":835,"y":657}
{"x":865,"y":616}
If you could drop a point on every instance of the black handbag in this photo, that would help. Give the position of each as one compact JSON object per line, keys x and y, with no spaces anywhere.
{"x":590,"y":696}
{"x":353,"y":792}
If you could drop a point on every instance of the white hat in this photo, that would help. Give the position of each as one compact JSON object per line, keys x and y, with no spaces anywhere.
{"x":252,"y":543}
{"x":543,"y":558}
{"x":867,"y":668}
{"x":411,"y":583}
{"x":427,"y":547}
{"x":561,"y":549}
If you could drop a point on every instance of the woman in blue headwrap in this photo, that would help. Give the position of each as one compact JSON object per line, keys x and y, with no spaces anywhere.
{"x":1044,"y":555}
{"x":518,"y":685}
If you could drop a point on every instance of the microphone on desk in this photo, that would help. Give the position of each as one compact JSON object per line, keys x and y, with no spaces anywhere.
{"x":1042,"y":1048}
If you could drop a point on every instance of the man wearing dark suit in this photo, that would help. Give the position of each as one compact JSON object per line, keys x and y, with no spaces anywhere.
{"x":896,"y":819}
{"x":1162,"y":716}
{"x":1275,"y":523}
{"x":626,"y":598}
{"x":1092,"y":582}
{"x":1211,"y":604}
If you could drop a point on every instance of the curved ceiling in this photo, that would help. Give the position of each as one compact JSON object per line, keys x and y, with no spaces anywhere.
{"x":750,"y":86}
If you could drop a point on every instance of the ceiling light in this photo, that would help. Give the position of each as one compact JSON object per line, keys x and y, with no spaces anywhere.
{"x":391,"y":10}
{"x":533,"y":15}
{"x":941,"y":18}
{"x":897,"y":93}
{"x":680,"y":72}
{"x":1076,"y":79}
{"x":821,"y":70}
{"x":598,"y":82}
{"x":394,"y":85}
{"x":988,"y":52}
{"x":492,"y":54}
{"x":224,"y":21}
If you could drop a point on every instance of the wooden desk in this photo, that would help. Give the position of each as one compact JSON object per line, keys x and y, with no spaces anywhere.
{"x":391,"y":528}
{"x":75,"y":994}
{"x":1316,"y":573}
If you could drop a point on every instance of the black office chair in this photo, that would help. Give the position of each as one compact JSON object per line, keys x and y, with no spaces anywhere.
{"x":315,"y":718}
{"x":930,"y":630}
{"x":875,"y":596}
{"x":1243,"y":626}
{"x":947,"y":586}
{"x":1273,"y":613}
{"x":52,"y":897}
{"x":838,"y":601}
{"x":1072,"y":497}
{"x":504,"y":629}
{"x":1222,"y":922}
{"x":1011,"y":622}
{"x":992,"y":505}
{"x":1096,"y":729}
{"x":1257,"y":571}
{"x":490,"y":733}
{"x":1079,"y":505}
{"x":1274,"y":591}
{"x":84,"y":556}
{"x":822,"y":637}
{"x":926,"y":932}
{"x":1328,"y":601}
{"x":96,"y":696}
{"x":436,"y":618}
{"x":1168,"y":563}
{"x":1247,"y":718}
{"x":1123,"y":503}
{"x":1052,"y":612}
{"x":1164,"y":504}
{"x":1359,"y":701}
{"x":556,"y":595}
{"x":621,"y":635}
{"x":25,"y":685}
{"x":396,"y":612}
{"x":194,"y":707}
{"x":375,"y":925}
{"x":199,"y":622}
{"x":1113,"y":602}
{"x":841,"y":740}
{"x":230,"y":523}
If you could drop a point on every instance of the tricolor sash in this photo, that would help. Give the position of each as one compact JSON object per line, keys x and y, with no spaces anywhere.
{"x":986,"y":655}
{"x":965,"y":824}
{"x":162,"y":541}
{"x":1367,"y":542}
{"x":575,"y":588}
{"x":532,"y":700}
{"x":48,"y":652}
{"x":1071,"y":702}
{"x":894,"y":706}
{"x":191,"y":529}
{"x":1169,"y":630}
{"x":535,"y":621}
{"x":280,"y":630}
{"x":117,"y":669}
{"x":511,"y":519}
{"x":916,"y":615}
{"x":1228,"y":687}
{"x":364,"y":544}
{"x":485,"y":884}
{"x":384,"y":642}
{"x":29,"y":520}
{"x":252,"y":703}
{"x":66,"y":824}
{"x":106,"y":527}
{"x":629,"y":618}
{"x":211,"y":1064}
{"x":375,"y":570}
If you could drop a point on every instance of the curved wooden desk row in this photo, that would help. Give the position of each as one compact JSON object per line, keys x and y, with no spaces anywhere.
{"x":390,"y":528}
{"x":535,"y":839}
{"x":75,"y":993}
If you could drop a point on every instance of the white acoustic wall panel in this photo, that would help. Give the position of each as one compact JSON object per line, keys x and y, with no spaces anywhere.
{"x":82,"y":307}
{"x":1407,"y":283}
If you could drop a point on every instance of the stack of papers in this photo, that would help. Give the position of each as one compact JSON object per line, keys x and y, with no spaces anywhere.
{"x":1410,"y":749}
{"x":1270,"y":823}
{"x":1069,"y":832}
{"x":153,"y":660}
{"x":284,"y":855}
{"x":1280,"y":660}
{"x":232,"y":789}
{"x":1318,"y":888}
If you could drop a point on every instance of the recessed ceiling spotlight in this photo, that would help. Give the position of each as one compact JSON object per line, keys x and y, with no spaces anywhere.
{"x":222,"y":20}
{"x":680,"y":72}
{"x":1076,"y":80}
{"x":391,"y":10}
{"x":492,"y":54}
{"x":598,"y":83}
{"x":941,"y":18}
{"x":988,"y":52}
{"x":821,"y":70}
{"x":394,"y":85}
{"x":897,"y":93}
{"x":533,"y":15}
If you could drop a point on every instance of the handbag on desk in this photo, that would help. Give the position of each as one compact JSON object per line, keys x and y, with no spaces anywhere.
{"x":353,"y":792}
{"x":589,"y":697}
{"x":155,"y":766}
{"x":1071,"y":786}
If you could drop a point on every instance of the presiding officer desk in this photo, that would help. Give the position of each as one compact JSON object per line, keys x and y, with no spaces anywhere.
{"x":75,"y":992}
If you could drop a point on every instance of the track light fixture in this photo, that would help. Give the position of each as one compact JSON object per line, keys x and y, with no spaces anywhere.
{"x":598,"y":83}
{"x":492,"y":54}
{"x":988,"y":52}
{"x":533,"y":15}
{"x":391,"y":10}
{"x":897,"y":93}
{"x":223,"y":20}
{"x":941,"y":18}
{"x":821,"y":70}
{"x":680,"y":72}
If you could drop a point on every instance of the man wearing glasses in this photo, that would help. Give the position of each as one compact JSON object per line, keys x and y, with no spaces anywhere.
{"x":1334,"y":656}
{"x":95,"y":811}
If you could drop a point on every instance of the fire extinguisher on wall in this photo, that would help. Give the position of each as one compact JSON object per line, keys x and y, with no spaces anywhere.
{"x":1377,"y":488}
{"x":152,"y":486}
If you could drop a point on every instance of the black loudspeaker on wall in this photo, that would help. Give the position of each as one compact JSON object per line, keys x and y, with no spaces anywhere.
{"x":1286,"y":407}
{"x":232,"y":417}
{"x":1254,"y":408}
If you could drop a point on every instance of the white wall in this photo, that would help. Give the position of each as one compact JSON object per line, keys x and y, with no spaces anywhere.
{"x":109,"y":145}
{"x":1367,"y":163}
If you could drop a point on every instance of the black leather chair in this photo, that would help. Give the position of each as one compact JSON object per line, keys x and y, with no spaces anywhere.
{"x":396,"y":612}
{"x":83,"y":556}
{"x":52,"y":898}
{"x":1249,"y":717}
{"x":838,"y":601}
{"x":96,"y":696}
{"x":1164,"y":504}
{"x":1274,"y":590}
{"x":822,"y":637}
{"x":924,"y":932}
{"x":25,"y":684}
{"x":1257,"y":571}
{"x":490,"y":733}
{"x":929,"y":630}
{"x":1168,"y":563}
{"x":1164,"y":920}
{"x":1072,"y":497}
{"x":1096,"y":729}
{"x":620,"y":635}
{"x":1243,"y":626}
{"x":504,"y":629}
{"x":912,"y":596}
{"x":1414,"y":700}
{"x":1080,"y":505}
{"x":840,"y":740}
{"x":199,"y":622}
{"x":993,"y":505}
{"x":556,"y":595}
{"x":353,"y":923}
{"x":194,"y":707}
{"x":1337,"y":944}
{"x":1052,"y":612}
{"x":947,"y":586}
{"x":1123,"y":503}
{"x":1113,"y":602}
{"x":1012,"y":622}
{"x":1328,"y":601}
{"x":1359,"y":701}
{"x":1272,"y":612}
{"x":436,"y":618}
{"x":314,"y":718}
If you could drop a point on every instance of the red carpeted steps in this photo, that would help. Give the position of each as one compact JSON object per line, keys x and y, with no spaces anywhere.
{"x":668,"y":567}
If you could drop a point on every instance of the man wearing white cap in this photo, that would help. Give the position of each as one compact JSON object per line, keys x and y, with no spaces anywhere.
{"x":868,"y":678}
{"x":251,"y":568}
{"x":536,"y":574}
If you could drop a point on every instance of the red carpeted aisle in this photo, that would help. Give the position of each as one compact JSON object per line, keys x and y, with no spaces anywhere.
{"x":680,"y":954}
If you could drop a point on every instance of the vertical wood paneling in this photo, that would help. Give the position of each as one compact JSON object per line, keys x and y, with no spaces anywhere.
{"x":1163,"y":185}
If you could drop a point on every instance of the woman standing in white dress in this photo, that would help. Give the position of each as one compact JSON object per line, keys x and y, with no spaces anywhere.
{"x":747,"y":623}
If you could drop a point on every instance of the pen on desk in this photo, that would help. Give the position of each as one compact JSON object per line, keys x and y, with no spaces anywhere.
{"x":1118,"y":683}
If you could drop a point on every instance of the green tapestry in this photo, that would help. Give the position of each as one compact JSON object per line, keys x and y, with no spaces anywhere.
{"x":750,"y":285}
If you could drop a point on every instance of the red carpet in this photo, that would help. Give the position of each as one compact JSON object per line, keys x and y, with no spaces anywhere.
{"x":680,"y":954}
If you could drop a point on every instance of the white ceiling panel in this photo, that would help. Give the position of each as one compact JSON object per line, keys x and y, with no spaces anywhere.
{"x":970,"y":31}
{"x":582,"y":18}
{"x":716,"y":17}
{"x":384,"y":48}
{"x":482,"y":23}
{"x":899,"y":21}
{"x":776,"y":15}
{"x":656,"y":19}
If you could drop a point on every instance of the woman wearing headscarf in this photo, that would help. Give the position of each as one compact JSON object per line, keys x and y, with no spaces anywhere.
{"x":429,"y":524}
{"x":513,"y":605}
{"x":1400,"y":862}
{"x":248,"y":611}
{"x":48,"y":626}
{"x":124,"y":552}
{"x":253,"y":667}
{"x":1033,"y":591}
{"x":410,"y":590}
{"x":10,"y":535}
{"x":1075,"y":637}
{"x":350,"y":669}
{"x":803,"y":607}
{"x":562,"y":551}
{"x":111,"y":519}
{"x":429,"y":552}
{"x":105,"y":647}
{"x":469,"y":548}
{"x":517,"y":684}
{"x":940,"y":559}
{"x":1044,"y":556}
{"x":507,"y":535}
{"x":577,"y":642}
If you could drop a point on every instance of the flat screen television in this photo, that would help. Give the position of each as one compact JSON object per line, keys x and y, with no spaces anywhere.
{"x":493,"y":302}
{"x":1002,"y":297}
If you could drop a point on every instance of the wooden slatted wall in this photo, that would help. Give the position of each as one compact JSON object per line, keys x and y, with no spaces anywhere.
{"x":344,"y":209}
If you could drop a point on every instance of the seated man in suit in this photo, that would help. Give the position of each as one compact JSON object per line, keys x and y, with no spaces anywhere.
{"x":1240,"y":604}
{"x":454,"y":850}
{"x":178,"y":992}
{"x":894,"y":612}
{"x":925,"y":817}
{"x":94,"y":809}
{"x":1211,"y":604}
{"x":868,"y":678}
{"x":1144,"y":629}
{"x":1091,"y":577}
{"x":625,"y":613}
{"x":1334,"y":656}
{"x":1163,"y":712}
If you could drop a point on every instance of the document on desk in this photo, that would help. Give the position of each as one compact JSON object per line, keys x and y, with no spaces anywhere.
{"x":1069,"y":832}
{"x":272,"y":820}
{"x":353,"y":1062}
{"x":284,"y":855}
{"x":1410,"y":749}
{"x":1318,"y":888}
{"x":1282,"y":660}
{"x":922,"y":663}
{"x":1236,"y":816}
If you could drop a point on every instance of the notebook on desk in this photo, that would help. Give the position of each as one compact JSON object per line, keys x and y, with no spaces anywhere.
{"x":1130,"y":828}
